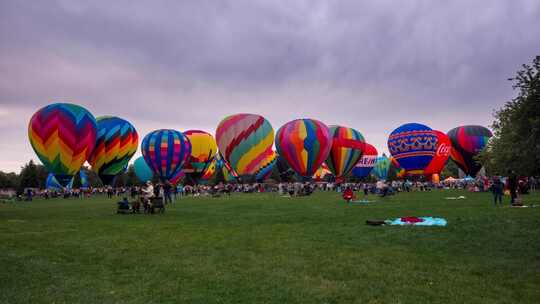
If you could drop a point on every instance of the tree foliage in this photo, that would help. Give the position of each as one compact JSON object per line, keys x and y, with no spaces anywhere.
{"x":516,"y":141}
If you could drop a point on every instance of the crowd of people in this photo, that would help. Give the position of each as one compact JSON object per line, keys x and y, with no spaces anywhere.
{"x":150,"y":193}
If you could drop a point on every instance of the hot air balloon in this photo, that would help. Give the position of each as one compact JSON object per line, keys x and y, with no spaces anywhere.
{"x":266,"y":170}
{"x":347,"y":148}
{"x":413,"y":146}
{"x":116,"y":142}
{"x":441,"y":155}
{"x":63,"y":136}
{"x":304,"y":144}
{"x":367,"y":161}
{"x":245,"y":142}
{"x":382,"y":165}
{"x":165,"y":152}
{"x":468,"y":142}
{"x":322,"y":172}
{"x":142,"y":170}
{"x":203,"y":151}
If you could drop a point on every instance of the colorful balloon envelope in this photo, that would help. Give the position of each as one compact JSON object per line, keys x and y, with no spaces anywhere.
{"x":364,"y":166}
{"x":203,"y":152}
{"x":165,"y":151}
{"x":304,"y":144}
{"x":245,"y":142}
{"x":347,"y":148}
{"x":382,"y":165}
{"x":142,"y":170}
{"x":467,"y":143}
{"x":441,"y":155}
{"x":413,"y":146}
{"x":63,"y":135}
{"x":117,"y":141}
{"x":266,"y":170}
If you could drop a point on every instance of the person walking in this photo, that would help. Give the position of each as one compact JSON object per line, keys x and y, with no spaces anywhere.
{"x":497,"y":190}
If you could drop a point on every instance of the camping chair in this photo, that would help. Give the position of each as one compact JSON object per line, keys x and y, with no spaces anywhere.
{"x":157,"y":203}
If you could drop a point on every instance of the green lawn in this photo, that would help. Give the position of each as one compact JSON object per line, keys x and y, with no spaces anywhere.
{"x":262,"y":248}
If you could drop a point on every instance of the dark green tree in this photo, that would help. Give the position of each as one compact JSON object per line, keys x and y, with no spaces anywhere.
{"x":131,"y":177}
{"x":29,"y":177}
{"x":516,"y":141}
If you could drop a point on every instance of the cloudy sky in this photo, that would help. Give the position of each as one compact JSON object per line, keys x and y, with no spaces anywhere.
{"x":370,"y":65}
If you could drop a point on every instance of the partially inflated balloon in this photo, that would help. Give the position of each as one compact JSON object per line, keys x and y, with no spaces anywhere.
{"x":63,"y":136}
{"x":245,"y":142}
{"x":413,"y":146}
{"x":85,"y":183}
{"x":266,"y":170}
{"x":382,"y":165}
{"x":468,"y":142}
{"x":347,"y":148}
{"x":322,"y":172}
{"x":365,"y":164}
{"x":203,"y":151}
{"x":305,"y":144}
{"x":441,"y":155}
{"x":210,"y":171}
{"x":142,"y":170}
{"x":177,"y":178}
{"x":165,"y":152}
{"x":52,"y":183}
{"x":116,"y":142}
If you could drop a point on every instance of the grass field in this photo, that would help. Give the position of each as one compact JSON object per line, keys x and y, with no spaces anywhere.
{"x":262,"y":248}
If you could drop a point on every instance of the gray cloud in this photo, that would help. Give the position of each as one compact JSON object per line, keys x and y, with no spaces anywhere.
{"x":371,"y":65}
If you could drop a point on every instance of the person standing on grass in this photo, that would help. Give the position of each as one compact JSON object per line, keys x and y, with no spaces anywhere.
{"x":167,"y":188}
{"x":497,"y":190}
{"x":512,"y":186}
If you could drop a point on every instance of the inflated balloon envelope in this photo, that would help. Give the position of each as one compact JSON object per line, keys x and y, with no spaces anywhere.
{"x":63,"y":135}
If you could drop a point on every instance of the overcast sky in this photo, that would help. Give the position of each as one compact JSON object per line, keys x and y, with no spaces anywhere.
{"x":370,"y":65}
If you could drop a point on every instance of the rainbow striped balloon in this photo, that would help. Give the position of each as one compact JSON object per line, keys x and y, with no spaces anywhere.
{"x":63,"y":135}
{"x":245,"y":141}
{"x":304,"y":144}
{"x":117,"y":141}
{"x":165,"y":152}
{"x":347,"y":149}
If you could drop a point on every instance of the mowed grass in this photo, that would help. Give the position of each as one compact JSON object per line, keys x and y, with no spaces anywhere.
{"x":262,"y":248}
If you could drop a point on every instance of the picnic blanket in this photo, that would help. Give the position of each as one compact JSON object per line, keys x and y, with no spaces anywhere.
{"x":417,"y":221}
{"x":410,"y":221}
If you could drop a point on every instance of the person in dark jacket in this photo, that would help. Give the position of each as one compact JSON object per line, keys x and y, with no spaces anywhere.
{"x":512,"y":186}
{"x":497,"y":190}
